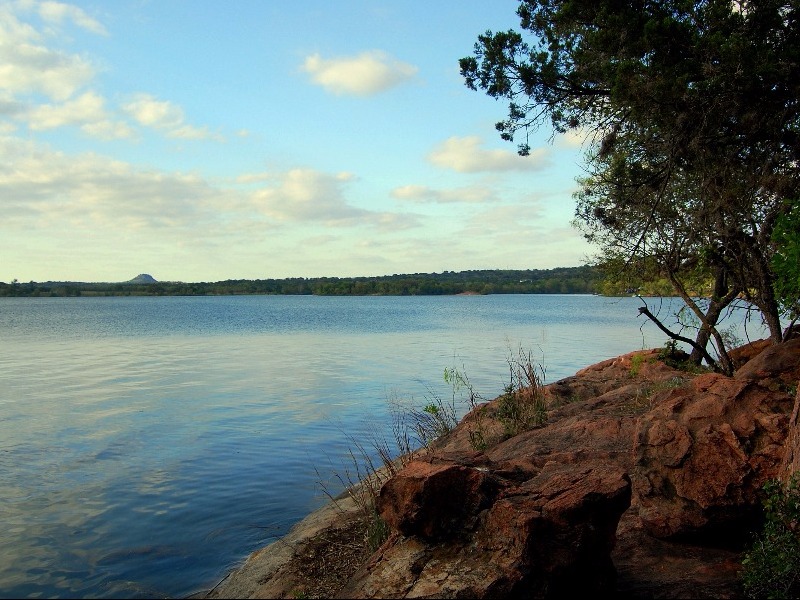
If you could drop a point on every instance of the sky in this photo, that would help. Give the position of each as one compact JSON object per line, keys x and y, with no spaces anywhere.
{"x":199,"y":140}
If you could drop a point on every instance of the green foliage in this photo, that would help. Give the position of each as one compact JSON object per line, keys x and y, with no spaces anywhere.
{"x":437,"y":417}
{"x":636,"y":364}
{"x":461,"y":386}
{"x":523,"y":405}
{"x":377,"y":532}
{"x":692,"y":119}
{"x":771,"y":566}
{"x":786,"y":261}
{"x":676,"y":358}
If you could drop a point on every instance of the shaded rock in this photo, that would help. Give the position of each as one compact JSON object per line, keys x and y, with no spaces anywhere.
{"x":549,"y":536}
{"x":436,"y":501}
{"x":739,"y":356}
{"x":791,"y":459}
{"x":703,"y":454}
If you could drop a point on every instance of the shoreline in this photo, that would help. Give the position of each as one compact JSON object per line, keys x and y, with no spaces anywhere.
{"x":325,"y":554}
{"x":270,"y":570}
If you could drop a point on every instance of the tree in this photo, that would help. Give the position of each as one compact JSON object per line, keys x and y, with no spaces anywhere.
{"x":694,"y":114}
{"x":786,"y":263}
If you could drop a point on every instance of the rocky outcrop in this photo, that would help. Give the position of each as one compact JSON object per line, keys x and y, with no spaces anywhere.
{"x":643,"y":483}
{"x":791,"y":458}
{"x":703,"y":454}
{"x":464,"y":531}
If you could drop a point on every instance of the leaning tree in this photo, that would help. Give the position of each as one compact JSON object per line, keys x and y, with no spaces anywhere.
{"x":694,"y":118}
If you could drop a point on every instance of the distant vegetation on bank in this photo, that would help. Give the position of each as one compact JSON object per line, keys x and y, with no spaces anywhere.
{"x":566,"y":280}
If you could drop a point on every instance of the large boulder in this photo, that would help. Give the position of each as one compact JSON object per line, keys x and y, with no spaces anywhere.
{"x":777,"y":367}
{"x":548,"y":536}
{"x":704,"y":452}
{"x":436,"y":501}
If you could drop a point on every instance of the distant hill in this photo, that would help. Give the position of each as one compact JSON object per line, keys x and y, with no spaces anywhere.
{"x":142,"y":278}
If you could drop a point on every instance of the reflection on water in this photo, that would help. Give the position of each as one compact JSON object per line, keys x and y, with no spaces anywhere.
{"x":147,"y":445}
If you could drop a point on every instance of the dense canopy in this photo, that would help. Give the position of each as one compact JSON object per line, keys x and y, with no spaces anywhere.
{"x":692,"y":117}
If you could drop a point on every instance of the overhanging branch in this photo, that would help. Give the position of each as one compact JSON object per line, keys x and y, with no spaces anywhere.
{"x":712,"y":363}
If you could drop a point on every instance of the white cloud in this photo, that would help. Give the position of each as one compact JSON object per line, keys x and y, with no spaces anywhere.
{"x":57,"y":12}
{"x":87,"y":111}
{"x":44,"y":188}
{"x":308,"y":195}
{"x":368,"y":73}
{"x":83,"y":109}
{"x":29,"y":67}
{"x":464,"y":154}
{"x":189,"y":132}
{"x":574,"y":138}
{"x":165,"y":116}
{"x":311,"y":197}
{"x":420,"y":193}
{"x":159,"y":114}
{"x":106,"y":129}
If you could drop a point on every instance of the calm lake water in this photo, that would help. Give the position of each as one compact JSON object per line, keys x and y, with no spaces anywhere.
{"x":148,"y":445}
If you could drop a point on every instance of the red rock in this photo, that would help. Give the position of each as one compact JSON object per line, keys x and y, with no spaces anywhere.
{"x":777,"y":364}
{"x":703,"y":454}
{"x":435,"y":501}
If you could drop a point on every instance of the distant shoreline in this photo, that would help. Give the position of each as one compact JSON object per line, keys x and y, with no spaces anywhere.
{"x":566,"y":280}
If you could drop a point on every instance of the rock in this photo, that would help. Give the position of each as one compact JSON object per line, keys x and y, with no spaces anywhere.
{"x":549,"y":536}
{"x":436,"y":501}
{"x":739,"y":356}
{"x":630,"y":489}
{"x":790,"y":464}
{"x":776,"y":367}
{"x":703,"y":454}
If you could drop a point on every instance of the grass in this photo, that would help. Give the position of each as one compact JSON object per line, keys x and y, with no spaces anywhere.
{"x":415,"y":428}
{"x":523,"y":405}
{"x":370,"y":465}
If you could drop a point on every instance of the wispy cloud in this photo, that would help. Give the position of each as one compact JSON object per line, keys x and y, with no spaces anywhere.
{"x":306,"y":195}
{"x":366,"y":74}
{"x":465,"y":155}
{"x":87,"y":111}
{"x":44,"y":188}
{"x":57,"y":12}
{"x":467,"y":194}
{"x":83,"y":109}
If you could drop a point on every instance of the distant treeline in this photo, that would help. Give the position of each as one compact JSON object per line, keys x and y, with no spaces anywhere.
{"x":566,"y":280}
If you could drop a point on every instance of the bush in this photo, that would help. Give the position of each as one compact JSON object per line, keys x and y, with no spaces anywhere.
{"x":771,"y":566}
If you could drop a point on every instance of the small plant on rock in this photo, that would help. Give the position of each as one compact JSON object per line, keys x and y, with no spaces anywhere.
{"x":523,"y":405}
{"x":636,"y":364}
{"x":461,"y":386}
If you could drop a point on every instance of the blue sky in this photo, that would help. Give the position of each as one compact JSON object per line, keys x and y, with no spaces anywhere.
{"x":200,"y":141}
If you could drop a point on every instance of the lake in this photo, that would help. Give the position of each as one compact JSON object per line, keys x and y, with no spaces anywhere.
{"x":149,"y":444}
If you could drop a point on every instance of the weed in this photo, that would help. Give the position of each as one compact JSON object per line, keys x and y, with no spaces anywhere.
{"x":362,"y":481}
{"x":523,"y":405}
{"x":461,"y":386}
{"x":676,"y":358}
{"x":771,"y":566}
{"x":636,"y":364}
{"x":371,"y":465}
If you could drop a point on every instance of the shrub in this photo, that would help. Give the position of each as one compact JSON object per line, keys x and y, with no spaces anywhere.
{"x":771,"y":566}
